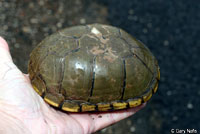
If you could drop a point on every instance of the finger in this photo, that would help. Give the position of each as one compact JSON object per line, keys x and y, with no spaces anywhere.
{"x":102,"y":120}
{"x":4,"y":51}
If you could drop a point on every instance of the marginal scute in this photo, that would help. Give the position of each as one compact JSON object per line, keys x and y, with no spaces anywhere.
{"x":38,"y":85}
{"x":158,"y":77}
{"x":88,"y":107}
{"x":93,"y":68}
{"x":103,"y":107}
{"x":70,"y":106}
{"x":54,"y":100}
{"x":37,"y":90}
{"x":119,"y":105}
{"x":155,"y":87}
{"x":147,"y":96}
{"x":135,"y":102}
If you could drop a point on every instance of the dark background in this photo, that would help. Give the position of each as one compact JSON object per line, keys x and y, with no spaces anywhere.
{"x":171,"y":29}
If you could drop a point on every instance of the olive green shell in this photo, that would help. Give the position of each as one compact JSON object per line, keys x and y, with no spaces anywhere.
{"x":93,"y":68}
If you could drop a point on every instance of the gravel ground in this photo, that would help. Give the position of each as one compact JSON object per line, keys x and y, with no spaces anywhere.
{"x":169,"y":28}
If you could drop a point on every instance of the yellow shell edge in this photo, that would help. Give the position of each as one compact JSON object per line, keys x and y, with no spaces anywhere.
{"x":51,"y":102}
{"x":102,"y":107}
{"x":68,"y":109}
{"x":38,"y":91}
{"x":135,"y":102}
{"x":155,"y":87}
{"x":70,"y":106}
{"x":147,"y":97}
{"x":87,"y":108}
{"x":119,"y":105}
{"x":158,"y":73}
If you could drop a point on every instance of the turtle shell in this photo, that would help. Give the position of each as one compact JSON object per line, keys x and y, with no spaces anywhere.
{"x":93,"y":68}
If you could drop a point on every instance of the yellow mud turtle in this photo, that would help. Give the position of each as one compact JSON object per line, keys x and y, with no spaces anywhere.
{"x":94,"y":67}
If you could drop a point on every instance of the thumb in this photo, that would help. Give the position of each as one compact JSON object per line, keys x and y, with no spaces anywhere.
{"x":8,"y":70}
{"x":15,"y":88}
{"x":4,"y":51}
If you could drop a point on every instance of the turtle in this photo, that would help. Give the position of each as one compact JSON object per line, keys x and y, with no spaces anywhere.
{"x":93,"y":68}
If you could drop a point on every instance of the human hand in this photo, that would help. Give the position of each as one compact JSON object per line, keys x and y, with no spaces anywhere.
{"x":23,"y":111}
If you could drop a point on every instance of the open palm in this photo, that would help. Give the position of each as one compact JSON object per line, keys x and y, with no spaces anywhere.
{"x":23,"y":111}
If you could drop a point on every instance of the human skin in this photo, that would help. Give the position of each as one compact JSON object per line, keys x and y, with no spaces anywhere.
{"x":23,"y":111}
